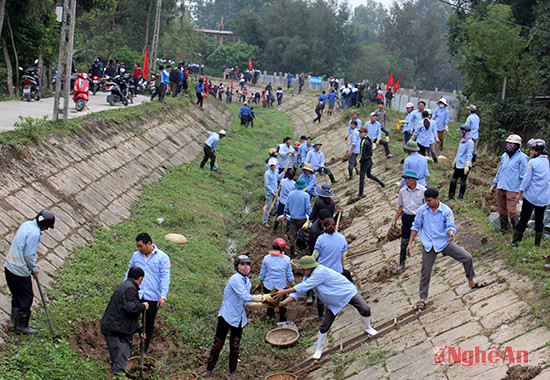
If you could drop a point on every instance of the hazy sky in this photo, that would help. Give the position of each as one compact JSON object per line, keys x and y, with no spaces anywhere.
{"x":385,"y":3}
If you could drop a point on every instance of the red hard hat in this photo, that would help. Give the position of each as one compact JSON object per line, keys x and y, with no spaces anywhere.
{"x":280,"y":242}
{"x":297,"y":144}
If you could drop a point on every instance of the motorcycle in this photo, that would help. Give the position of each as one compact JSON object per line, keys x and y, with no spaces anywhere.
{"x":95,"y":84}
{"x":117,"y":91}
{"x":30,"y":84}
{"x":81,"y":91}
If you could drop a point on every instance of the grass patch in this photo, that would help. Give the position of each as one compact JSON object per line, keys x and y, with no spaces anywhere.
{"x":368,"y":355}
{"x":209,"y":209}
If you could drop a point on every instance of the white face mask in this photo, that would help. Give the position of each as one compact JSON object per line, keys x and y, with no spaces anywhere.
{"x":441,"y":105}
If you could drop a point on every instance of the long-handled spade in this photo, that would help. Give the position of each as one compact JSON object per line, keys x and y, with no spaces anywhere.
{"x":142,"y":350}
{"x":45,"y":306}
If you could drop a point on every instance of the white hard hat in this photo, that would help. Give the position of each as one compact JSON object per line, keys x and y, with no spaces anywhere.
{"x":514,"y":139}
{"x":222,"y":132}
{"x":409,"y":105}
{"x":272,"y":161}
{"x":444,"y":101}
{"x":373,"y":114}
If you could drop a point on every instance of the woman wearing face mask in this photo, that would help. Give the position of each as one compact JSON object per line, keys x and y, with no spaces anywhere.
{"x":232,"y":315}
{"x":462,"y":163}
{"x":535,"y":191}
{"x":508,"y":180}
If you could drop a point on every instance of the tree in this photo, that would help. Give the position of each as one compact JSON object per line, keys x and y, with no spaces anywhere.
{"x":539,"y":47}
{"x":234,"y":54}
{"x":368,"y":20}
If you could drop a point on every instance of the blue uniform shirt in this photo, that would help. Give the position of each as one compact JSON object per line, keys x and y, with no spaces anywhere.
{"x":424,"y":136}
{"x":536,"y":184}
{"x":416,"y":119}
{"x":311,"y":182}
{"x":374,"y":131}
{"x":213,"y":140}
{"x":298,"y":205}
{"x":244,"y":111}
{"x":285,"y":157}
{"x":332,"y":98}
{"x":331,"y":248}
{"x":465,"y":153}
{"x":276,"y":271}
{"x":473,"y":122}
{"x":408,"y":126}
{"x":21,"y":258}
{"x":303,"y":151}
{"x":165,"y":76}
{"x":316,"y":159}
{"x":156,"y":281}
{"x":419,"y":164}
{"x":441,"y":118}
{"x":355,"y":140}
{"x":323,"y":98}
{"x":330,"y":286}
{"x":434,"y":226}
{"x":287,"y":185}
{"x":359,"y":124}
{"x":271,"y":181}
{"x":200,"y":87}
{"x":511,"y":171}
{"x":235,"y":297}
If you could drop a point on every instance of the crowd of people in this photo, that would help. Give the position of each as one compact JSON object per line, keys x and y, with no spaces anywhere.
{"x":311,"y":217}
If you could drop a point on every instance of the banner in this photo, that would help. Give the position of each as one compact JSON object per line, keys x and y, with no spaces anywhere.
{"x":316,"y":80}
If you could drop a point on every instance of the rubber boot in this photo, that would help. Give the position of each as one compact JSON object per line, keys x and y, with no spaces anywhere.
{"x":514,"y":221}
{"x":403,"y":254}
{"x":350,"y":174}
{"x":462,"y":191}
{"x":452,"y":190}
{"x":309,"y":297}
{"x":332,"y":179}
{"x":275,"y":226}
{"x":517,"y":238}
{"x":320,"y":345}
{"x":282,"y":314}
{"x":13,"y":317}
{"x":22,"y":323}
{"x":234,"y":346}
{"x":367,"y":327}
{"x":217,"y":347}
{"x":538,"y":238}
{"x":503,"y":224}
{"x":320,"y":309}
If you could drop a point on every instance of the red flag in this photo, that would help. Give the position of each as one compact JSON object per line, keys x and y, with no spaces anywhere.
{"x":206,"y":85}
{"x":145,"y":71}
{"x":390,"y":81}
{"x":396,"y":87}
{"x":250,"y":64}
{"x":178,"y":58}
{"x":232,"y":84}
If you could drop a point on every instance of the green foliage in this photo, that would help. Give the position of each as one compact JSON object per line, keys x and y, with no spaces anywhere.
{"x":368,"y":20}
{"x":234,"y":54}
{"x":540,"y":49}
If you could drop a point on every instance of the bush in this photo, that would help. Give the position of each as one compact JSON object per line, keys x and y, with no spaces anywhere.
{"x":234,"y":54}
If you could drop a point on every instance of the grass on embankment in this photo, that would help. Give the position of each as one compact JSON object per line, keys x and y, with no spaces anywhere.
{"x":206,"y":207}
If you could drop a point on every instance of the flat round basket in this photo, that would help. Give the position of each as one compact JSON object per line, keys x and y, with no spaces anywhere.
{"x":282,"y":336}
{"x":282,"y":376}
{"x":176,"y":238}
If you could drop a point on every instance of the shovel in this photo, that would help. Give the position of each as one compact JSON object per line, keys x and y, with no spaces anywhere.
{"x":142,"y":350}
{"x":45,"y":306}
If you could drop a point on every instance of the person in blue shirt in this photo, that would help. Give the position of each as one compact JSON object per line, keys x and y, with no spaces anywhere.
{"x":323,"y":98}
{"x":334,"y":290}
{"x":462,"y":163}
{"x":286,"y":153}
{"x":20,"y":264}
{"x":417,"y":115}
{"x":303,"y":150}
{"x":210,"y":148}
{"x":287,"y":185}
{"x":408,"y":122}
{"x":272,"y":154}
{"x":415,"y":162}
{"x":317,"y":160}
{"x":424,"y":135}
{"x":271,"y":184}
{"x":355,"y":117}
{"x":310,"y":179}
{"x":375,"y":134}
{"x":354,"y":148}
{"x":473,"y":122}
{"x":331,"y":98}
{"x":535,"y":191}
{"x":297,"y":208}
{"x":199,"y":91}
{"x":276,"y":271}
{"x":507,"y":181}
{"x":245,"y":114}
{"x":289,"y":78}
{"x":232,"y":315}
{"x":435,"y":225}
{"x":156,"y":283}
{"x":441,"y":118}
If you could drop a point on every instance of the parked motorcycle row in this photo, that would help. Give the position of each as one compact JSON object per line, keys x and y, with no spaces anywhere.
{"x":118,"y":89}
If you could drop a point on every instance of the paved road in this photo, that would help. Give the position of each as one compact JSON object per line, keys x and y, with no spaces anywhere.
{"x":11,"y":110}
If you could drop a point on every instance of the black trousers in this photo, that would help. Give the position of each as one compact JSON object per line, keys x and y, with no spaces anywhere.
{"x":21,"y":290}
{"x":526,"y":211}
{"x":245,"y":120}
{"x":223,"y":328}
{"x":406,"y":225}
{"x":199,"y":99}
{"x":365,"y":170}
{"x":208,"y":155}
{"x":459,"y":174}
{"x":150,"y":315}
{"x":318,"y":118}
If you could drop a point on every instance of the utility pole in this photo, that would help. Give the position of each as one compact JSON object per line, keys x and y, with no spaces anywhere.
{"x":155,"y":37}
{"x":65,"y":60}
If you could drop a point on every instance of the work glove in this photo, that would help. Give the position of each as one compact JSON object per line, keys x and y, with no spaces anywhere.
{"x":400,"y":123}
{"x":447,"y":128}
{"x":437,"y":140}
{"x":388,"y":138}
{"x":306,"y":225}
{"x":492,"y":188}
{"x":467,"y":167}
{"x":377,"y":141}
{"x":413,"y":138}
{"x":264,"y":298}
{"x":258,"y":304}
{"x":454,"y":164}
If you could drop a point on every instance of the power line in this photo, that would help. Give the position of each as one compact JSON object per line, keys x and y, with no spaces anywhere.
{"x":491,"y":17}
